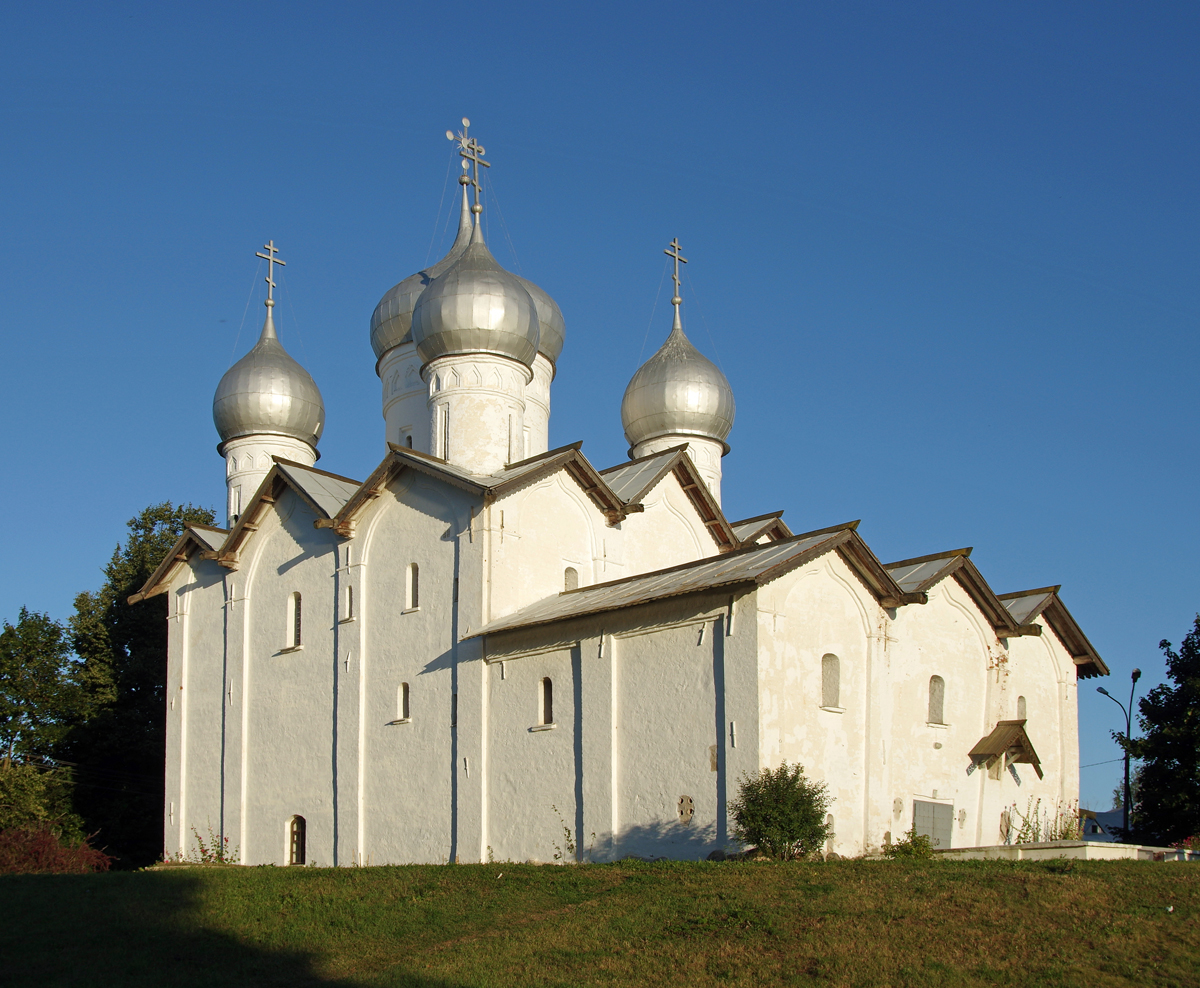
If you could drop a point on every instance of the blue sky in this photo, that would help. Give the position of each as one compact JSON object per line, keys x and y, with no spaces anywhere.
{"x":946,"y":254}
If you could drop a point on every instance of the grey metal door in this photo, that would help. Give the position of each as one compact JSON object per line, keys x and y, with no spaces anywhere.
{"x":934,"y":820}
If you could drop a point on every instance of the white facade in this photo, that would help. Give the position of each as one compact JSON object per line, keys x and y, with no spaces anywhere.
{"x":487,"y":643}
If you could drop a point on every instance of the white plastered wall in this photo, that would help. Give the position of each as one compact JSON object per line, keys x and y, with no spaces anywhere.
{"x":405,"y":398}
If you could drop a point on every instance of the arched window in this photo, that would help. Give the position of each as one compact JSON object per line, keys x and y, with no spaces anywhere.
{"x":297,"y":851}
{"x":546,"y":702}
{"x":402,"y":702}
{"x":1020,"y":708}
{"x":295,"y":621}
{"x":937,"y":700}
{"x":412,"y":595}
{"x":570,"y":578}
{"x":831,"y":681}
{"x":408,"y":440}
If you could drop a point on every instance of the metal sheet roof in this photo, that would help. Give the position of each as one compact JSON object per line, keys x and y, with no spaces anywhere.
{"x":1028,"y":606}
{"x":327,"y":491}
{"x":758,"y":564}
{"x":209,"y":536}
{"x":631,"y":480}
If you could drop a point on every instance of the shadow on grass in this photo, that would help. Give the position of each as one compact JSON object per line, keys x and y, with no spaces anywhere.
{"x":140,"y":929}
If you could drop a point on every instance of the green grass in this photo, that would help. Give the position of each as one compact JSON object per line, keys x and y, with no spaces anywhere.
{"x":842,"y":923}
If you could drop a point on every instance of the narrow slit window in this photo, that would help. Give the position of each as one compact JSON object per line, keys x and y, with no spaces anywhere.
{"x":412,"y":587}
{"x":297,"y":841}
{"x":937,"y":700}
{"x":295,"y":621}
{"x":570,"y":578}
{"x":408,"y":440}
{"x":1020,"y":708}
{"x":349,"y":602}
{"x":402,"y":702}
{"x":547,"y":702}
{"x":831,"y":681}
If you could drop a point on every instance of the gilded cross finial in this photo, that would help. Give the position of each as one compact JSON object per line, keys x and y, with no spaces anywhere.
{"x":271,"y":260}
{"x":470,"y":150}
{"x":673,"y":252}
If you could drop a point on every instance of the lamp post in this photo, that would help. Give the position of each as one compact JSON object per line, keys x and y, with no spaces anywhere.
{"x":1128,"y":712}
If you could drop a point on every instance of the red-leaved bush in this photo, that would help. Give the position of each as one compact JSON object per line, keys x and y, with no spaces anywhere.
{"x":38,"y":850}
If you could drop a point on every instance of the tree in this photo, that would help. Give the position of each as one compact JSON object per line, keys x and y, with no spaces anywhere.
{"x":1166,"y":806}
{"x":39,"y":696}
{"x":781,"y":812}
{"x":118,"y":746}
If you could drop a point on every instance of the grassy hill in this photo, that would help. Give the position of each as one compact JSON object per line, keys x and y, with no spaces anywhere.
{"x":696,"y":924}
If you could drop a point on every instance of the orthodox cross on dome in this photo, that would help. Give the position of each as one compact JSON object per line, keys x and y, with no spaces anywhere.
{"x":271,"y":260}
{"x":673,"y":252}
{"x":470,"y":150}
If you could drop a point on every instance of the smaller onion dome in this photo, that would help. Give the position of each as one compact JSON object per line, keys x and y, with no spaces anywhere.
{"x":391,"y":322}
{"x":678,"y":391}
{"x":268,"y":393}
{"x":476,"y":306}
{"x":550,"y":320}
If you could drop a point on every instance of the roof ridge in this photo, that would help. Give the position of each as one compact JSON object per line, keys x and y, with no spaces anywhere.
{"x":1028,"y":593}
{"x":283,"y":461}
{"x":930,"y":558}
{"x":719,"y":558}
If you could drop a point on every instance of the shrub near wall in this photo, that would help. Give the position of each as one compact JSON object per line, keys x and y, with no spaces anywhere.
{"x":39,"y":850}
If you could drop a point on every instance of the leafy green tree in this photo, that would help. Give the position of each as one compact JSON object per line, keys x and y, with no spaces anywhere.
{"x":1166,"y":806}
{"x":39,"y":696}
{"x":32,"y":795}
{"x":781,"y":812}
{"x":118,"y":748}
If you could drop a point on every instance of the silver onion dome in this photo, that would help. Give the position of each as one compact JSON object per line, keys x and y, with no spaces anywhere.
{"x":678,"y":391}
{"x":476,"y":306}
{"x":268,"y":393}
{"x":550,"y":320}
{"x":391,"y":322}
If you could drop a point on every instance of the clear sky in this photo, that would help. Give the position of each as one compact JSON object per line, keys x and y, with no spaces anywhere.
{"x":946,"y":254}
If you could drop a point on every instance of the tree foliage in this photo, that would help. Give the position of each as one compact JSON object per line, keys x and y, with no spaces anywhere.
{"x":781,"y":812}
{"x":118,"y":747}
{"x":36,"y":796}
{"x":39,"y":695}
{"x":1166,"y":804}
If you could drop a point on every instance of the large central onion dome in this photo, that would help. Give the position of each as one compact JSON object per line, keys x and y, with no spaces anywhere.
{"x":268,"y":393}
{"x":391,"y":322}
{"x":677,"y":392}
{"x":476,"y":306}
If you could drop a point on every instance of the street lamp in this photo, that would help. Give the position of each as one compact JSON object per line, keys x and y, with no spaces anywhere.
{"x":1128,"y":712}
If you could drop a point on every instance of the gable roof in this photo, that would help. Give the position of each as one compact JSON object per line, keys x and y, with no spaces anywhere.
{"x":748,"y":567}
{"x":633,"y":480}
{"x":1027,"y":605}
{"x":615,"y":506}
{"x":753,"y":529}
{"x":195,"y":538}
{"x":923,"y":572}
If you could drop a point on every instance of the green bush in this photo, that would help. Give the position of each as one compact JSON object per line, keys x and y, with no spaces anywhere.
{"x":781,"y":812}
{"x":911,"y":845}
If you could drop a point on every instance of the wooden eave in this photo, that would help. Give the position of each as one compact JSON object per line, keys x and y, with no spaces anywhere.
{"x":972,"y":581}
{"x":862,"y":560}
{"x":669,"y":463}
{"x":596,"y":488}
{"x":1087,"y":660}
{"x":705,"y":504}
{"x":186,"y":546}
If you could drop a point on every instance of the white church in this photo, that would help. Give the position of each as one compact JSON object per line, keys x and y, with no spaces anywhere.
{"x":493,"y":650}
